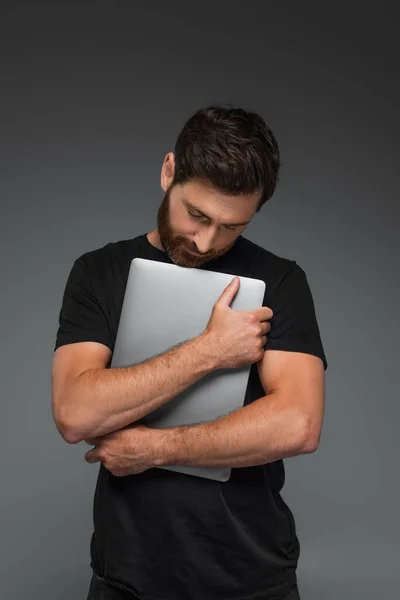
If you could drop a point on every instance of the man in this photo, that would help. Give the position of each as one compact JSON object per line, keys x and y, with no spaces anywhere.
{"x":159,"y":534}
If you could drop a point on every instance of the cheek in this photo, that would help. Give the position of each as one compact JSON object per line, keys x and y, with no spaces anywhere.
{"x":182,"y":230}
{"x":184,"y":227}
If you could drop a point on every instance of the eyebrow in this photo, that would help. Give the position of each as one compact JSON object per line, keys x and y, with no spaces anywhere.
{"x":207,"y":217}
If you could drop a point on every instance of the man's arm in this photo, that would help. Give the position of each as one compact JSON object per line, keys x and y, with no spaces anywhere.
{"x":286,"y":422}
{"x":89,"y":400}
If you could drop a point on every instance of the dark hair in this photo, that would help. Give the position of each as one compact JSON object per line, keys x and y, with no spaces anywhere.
{"x":233,"y":149}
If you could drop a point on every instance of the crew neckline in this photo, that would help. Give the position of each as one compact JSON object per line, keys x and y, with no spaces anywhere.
{"x":162,"y":254}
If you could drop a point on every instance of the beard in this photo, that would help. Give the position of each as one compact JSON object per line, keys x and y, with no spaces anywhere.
{"x":178,"y":247}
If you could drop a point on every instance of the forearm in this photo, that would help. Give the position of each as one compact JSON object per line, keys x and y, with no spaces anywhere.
{"x":104,"y":400}
{"x":261,"y":432}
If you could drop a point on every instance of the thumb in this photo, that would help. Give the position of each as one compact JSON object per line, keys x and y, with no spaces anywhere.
{"x":229,"y":292}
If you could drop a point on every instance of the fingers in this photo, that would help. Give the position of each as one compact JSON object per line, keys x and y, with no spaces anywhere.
{"x":92,"y":456}
{"x":229,"y":292}
{"x":265,"y":327}
{"x":263,"y":313}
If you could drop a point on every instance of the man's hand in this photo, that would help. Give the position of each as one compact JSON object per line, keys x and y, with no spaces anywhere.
{"x":236,"y":337}
{"x":127,"y":451}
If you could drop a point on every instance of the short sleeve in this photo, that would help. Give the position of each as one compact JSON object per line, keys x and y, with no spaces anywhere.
{"x":82,"y":318}
{"x":294,"y":324}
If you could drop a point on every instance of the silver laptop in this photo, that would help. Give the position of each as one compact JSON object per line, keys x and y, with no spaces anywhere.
{"x":164,"y":305}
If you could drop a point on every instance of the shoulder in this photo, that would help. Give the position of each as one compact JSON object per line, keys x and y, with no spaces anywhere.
{"x":269,"y":266}
{"x":104,"y":270}
{"x":117,"y":253}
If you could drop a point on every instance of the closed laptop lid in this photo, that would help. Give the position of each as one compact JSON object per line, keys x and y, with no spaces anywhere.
{"x":164,"y":305}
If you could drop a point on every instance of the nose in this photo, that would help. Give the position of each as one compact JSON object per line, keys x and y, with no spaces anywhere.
{"x":204,"y":241}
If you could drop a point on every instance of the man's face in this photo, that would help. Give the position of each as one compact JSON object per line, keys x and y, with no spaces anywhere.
{"x":194,"y":216}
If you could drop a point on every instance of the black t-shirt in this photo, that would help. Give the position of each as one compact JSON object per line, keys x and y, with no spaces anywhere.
{"x":164,"y":535}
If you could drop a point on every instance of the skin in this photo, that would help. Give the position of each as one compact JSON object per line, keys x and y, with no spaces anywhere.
{"x":287,"y":421}
{"x":181,"y":227}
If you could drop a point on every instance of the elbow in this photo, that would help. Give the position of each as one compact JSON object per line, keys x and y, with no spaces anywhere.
{"x":310,"y":446}
{"x":71,"y":436}
{"x":70,"y":430}
{"x":71,"y":417}
{"x":308,"y":440}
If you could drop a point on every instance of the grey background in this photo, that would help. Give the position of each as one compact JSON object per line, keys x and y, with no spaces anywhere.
{"x":92,"y":97}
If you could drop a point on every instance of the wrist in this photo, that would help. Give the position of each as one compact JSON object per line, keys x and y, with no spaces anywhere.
{"x":166,"y":446}
{"x":207,"y":351}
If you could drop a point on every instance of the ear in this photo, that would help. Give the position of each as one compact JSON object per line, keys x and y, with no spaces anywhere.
{"x":167,"y":171}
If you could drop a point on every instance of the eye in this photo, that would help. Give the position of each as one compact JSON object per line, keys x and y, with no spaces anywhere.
{"x":199,"y":217}
{"x":196,"y":216}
